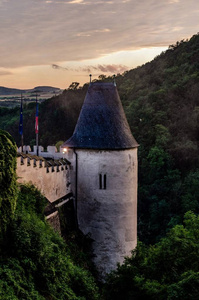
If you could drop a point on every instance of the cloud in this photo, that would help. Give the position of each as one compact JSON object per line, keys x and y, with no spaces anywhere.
{"x":111,"y":68}
{"x":174,"y":1}
{"x":3,"y":1}
{"x":92,"y":32}
{"x":177,"y":28}
{"x":40,"y":32}
{"x":114,"y":69}
{"x":5,"y":72}
{"x":66,"y":1}
{"x":76,"y":2}
{"x":56,"y":67}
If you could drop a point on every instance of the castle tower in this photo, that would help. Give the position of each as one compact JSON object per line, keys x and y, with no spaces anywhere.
{"x":105,"y":167}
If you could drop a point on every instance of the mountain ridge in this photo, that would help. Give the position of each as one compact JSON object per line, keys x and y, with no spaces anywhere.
{"x":14,"y":91}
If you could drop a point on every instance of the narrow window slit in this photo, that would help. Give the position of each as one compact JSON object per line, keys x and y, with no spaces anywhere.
{"x":102,"y":181}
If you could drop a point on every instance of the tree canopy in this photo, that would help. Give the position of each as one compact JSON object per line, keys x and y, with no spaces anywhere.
{"x":167,"y":270}
{"x":8,"y":188}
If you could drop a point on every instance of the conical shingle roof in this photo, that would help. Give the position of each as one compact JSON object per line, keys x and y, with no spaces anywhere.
{"x":102,"y":123}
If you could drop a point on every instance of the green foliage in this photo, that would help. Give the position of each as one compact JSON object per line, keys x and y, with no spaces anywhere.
{"x":162,"y":136}
{"x":34,"y":260}
{"x":73,"y":86}
{"x":31,"y":200}
{"x":8,"y":187}
{"x":58,"y":144}
{"x":158,"y":195}
{"x":14,"y":283}
{"x":168,"y":270}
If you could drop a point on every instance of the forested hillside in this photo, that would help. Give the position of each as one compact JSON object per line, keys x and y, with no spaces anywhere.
{"x":161,"y":101}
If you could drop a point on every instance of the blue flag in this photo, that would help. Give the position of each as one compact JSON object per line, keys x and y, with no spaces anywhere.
{"x":21,"y":119}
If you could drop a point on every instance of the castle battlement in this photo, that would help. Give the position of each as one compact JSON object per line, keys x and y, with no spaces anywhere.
{"x":51,"y":165}
{"x":51,"y":176}
{"x":50,"y":153}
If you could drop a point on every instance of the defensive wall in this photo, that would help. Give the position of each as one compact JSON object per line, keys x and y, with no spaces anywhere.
{"x":50,"y":173}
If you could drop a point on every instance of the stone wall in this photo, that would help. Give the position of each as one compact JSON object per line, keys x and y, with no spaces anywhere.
{"x":52,"y":179}
{"x":107,"y":206}
{"x":54,"y":221}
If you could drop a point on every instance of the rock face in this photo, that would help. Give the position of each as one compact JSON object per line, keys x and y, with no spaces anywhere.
{"x":105,"y":176}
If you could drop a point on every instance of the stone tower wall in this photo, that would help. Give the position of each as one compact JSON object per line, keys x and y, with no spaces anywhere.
{"x":108,"y":215}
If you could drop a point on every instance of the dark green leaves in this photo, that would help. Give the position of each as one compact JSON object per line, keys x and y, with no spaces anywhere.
{"x":167,"y":270}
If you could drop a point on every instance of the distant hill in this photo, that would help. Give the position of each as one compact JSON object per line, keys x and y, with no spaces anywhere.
{"x":12,"y":91}
{"x":45,"y":89}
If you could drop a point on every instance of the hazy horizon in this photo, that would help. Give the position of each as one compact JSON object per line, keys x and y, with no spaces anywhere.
{"x":56,"y":42}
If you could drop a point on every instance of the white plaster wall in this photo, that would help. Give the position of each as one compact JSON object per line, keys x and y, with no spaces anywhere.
{"x":109,"y":216}
{"x":53,"y":185}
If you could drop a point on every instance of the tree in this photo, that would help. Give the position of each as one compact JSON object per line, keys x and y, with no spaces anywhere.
{"x":190,"y":192}
{"x":73,"y":86}
{"x":158,"y":194}
{"x":58,"y":145}
{"x":8,"y":187}
{"x":102,"y":77}
{"x":168,"y":270}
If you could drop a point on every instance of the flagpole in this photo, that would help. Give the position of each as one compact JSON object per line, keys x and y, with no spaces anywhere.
{"x":21,"y":123}
{"x":37,"y":143}
{"x":22,"y":131}
{"x":37,"y":127}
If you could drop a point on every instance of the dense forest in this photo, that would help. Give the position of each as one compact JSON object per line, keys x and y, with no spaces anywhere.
{"x":161,"y":102}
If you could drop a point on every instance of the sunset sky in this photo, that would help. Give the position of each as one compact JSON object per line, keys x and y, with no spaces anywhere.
{"x":56,"y":42}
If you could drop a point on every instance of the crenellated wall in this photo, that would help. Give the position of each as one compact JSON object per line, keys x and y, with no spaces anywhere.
{"x":50,"y":153}
{"x":51,"y":177}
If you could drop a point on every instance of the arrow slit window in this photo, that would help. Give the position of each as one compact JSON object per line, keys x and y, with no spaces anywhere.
{"x":102,"y":181}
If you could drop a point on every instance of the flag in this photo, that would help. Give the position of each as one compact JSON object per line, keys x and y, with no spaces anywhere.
{"x":21,"y":119}
{"x":36,"y":119}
